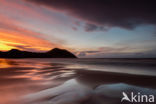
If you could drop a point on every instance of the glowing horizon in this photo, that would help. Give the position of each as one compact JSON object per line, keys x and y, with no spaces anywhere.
{"x":33,"y":25}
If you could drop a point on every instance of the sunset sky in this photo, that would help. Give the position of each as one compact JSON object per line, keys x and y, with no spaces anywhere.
{"x":88,"y":28}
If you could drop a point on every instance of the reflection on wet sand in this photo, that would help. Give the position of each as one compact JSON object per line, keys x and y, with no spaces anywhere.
{"x":4,"y":63}
{"x":103,"y":88}
{"x":35,"y":81}
{"x":20,"y":77}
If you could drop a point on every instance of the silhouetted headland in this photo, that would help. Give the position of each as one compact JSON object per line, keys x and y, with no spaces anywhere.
{"x":54,"y":53}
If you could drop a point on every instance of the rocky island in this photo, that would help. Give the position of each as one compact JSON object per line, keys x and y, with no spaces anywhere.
{"x":54,"y":53}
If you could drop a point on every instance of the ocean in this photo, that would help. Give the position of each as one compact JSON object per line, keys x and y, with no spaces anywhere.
{"x":77,"y":81}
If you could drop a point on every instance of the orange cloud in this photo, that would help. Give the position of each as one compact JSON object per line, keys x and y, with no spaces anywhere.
{"x":22,"y":8}
{"x":16,"y":30}
{"x":13,"y":36}
{"x":12,"y":39}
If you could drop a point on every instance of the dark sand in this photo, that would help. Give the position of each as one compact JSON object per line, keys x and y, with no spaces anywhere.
{"x":61,"y":81}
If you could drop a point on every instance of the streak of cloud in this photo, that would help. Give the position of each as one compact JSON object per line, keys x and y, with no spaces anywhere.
{"x":103,"y":14}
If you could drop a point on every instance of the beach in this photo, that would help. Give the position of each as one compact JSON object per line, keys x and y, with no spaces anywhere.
{"x":74,"y":81}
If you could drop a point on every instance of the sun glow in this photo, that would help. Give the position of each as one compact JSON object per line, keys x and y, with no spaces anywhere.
{"x":10,"y":40}
{"x":4,"y":47}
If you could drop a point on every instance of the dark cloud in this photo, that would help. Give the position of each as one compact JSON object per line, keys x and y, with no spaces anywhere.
{"x":74,"y":28}
{"x":81,"y":54}
{"x":85,"y":53}
{"x":102,"y":14}
{"x":92,"y":27}
{"x":91,"y":51}
{"x":119,"y":55}
{"x":120,"y":52}
{"x":24,"y":47}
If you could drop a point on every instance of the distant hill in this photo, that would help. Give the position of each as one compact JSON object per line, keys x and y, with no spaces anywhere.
{"x":54,"y":53}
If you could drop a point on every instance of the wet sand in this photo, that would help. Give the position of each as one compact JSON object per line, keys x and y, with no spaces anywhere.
{"x":52,"y":82}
